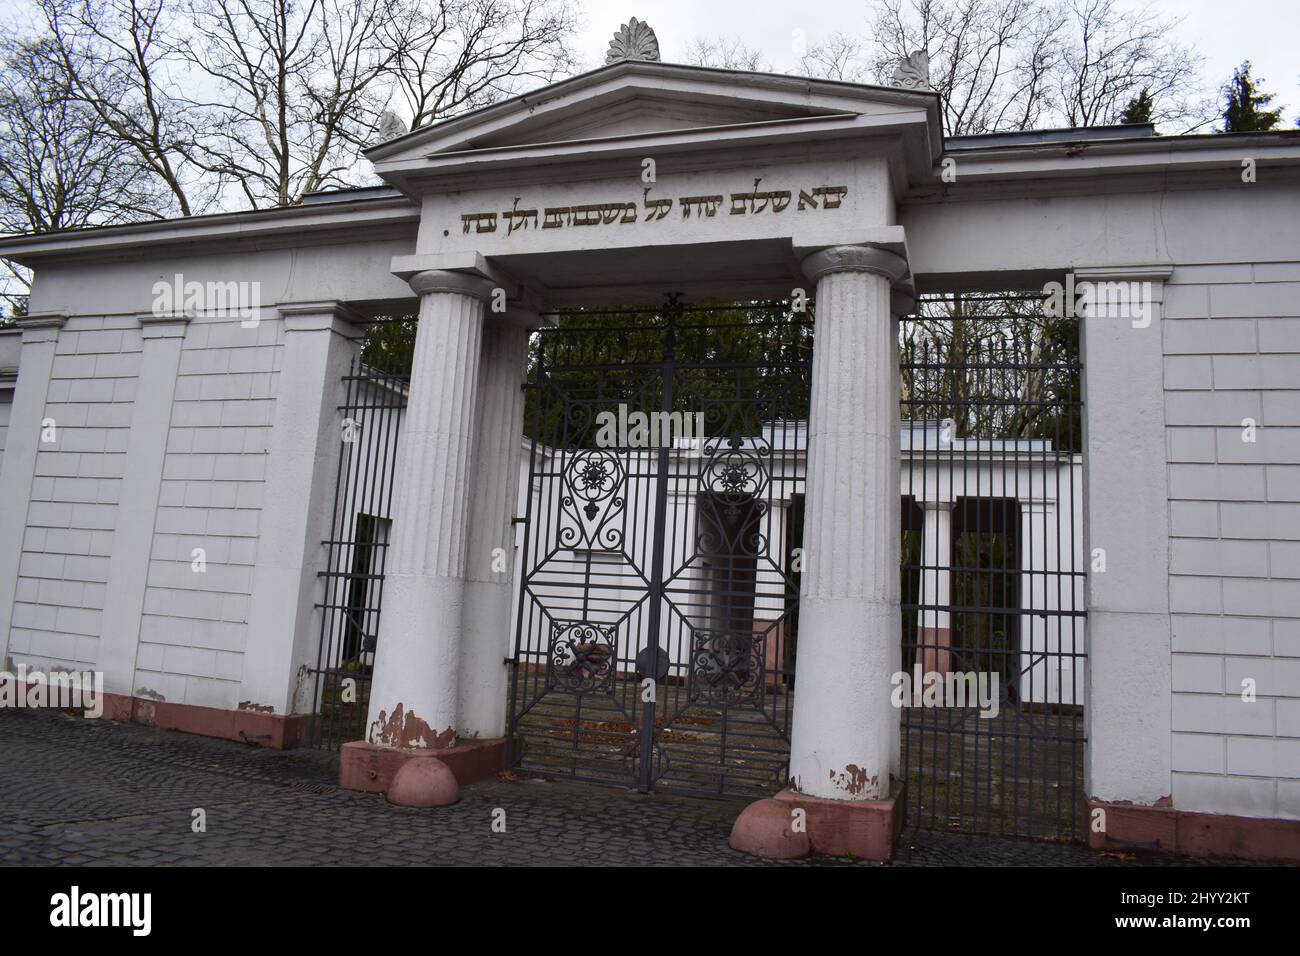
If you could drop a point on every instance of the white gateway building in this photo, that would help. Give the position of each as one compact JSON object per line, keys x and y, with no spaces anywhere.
{"x":988,"y":517}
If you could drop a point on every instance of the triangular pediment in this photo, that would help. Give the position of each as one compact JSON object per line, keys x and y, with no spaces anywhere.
{"x":643,"y":99}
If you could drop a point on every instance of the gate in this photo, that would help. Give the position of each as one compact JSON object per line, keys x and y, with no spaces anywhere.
{"x":657,"y":617}
{"x":992,"y":565}
{"x":355,"y":550}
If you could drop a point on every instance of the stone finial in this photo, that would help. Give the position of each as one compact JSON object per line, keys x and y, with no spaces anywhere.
{"x":390,"y":127}
{"x":633,"y":41}
{"x":913,"y":72}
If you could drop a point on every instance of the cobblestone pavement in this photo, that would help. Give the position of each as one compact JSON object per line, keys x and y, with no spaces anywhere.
{"x":76,"y":791}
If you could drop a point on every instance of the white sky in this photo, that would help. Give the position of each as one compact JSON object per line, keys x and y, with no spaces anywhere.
{"x":1225,"y":32}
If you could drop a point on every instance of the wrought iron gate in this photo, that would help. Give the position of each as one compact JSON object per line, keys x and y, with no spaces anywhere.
{"x":992,"y":561}
{"x":355,"y":550}
{"x":658,"y":592}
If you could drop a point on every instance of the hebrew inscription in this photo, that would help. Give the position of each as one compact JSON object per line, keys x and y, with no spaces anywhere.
{"x":755,"y":202}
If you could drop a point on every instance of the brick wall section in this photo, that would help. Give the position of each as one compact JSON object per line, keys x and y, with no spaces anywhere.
{"x":69,"y":536}
{"x":194,"y":626}
{"x":1232,"y":352}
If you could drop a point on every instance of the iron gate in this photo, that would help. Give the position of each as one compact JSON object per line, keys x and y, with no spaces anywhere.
{"x":658,"y":593}
{"x":370,"y":419}
{"x":992,"y":564}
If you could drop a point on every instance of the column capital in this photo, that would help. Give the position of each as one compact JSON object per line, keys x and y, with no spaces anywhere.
{"x":318,"y":316}
{"x":41,"y":326}
{"x":163,"y":325}
{"x":858,"y":258}
{"x":444,"y":280}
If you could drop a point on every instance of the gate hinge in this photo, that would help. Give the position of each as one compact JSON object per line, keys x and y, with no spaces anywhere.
{"x":518,"y":520}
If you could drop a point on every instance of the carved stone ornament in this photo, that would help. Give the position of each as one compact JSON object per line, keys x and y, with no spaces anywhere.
{"x":633,"y":41}
{"x":390,"y":127}
{"x":913,"y":73}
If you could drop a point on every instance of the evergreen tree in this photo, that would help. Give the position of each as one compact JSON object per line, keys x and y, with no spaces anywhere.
{"x":1244,"y":107}
{"x":1139,"y":108}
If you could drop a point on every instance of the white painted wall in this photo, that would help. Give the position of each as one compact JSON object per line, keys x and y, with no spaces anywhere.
{"x":68,"y":543}
{"x":1231,"y":340}
{"x":194,"y":628}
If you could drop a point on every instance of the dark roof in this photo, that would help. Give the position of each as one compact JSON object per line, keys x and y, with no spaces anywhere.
{"x":349,"y":193}
{"x":1035,"y":137}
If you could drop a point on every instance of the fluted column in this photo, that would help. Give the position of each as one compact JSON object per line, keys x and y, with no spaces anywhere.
{"x":413,"y":697}
{"x":489,"y":595}
{"x":844,"y":740}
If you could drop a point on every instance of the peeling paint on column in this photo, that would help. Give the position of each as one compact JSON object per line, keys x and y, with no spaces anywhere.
{"x":256,"y":708}
{"x":404,"y":729}
{"x":854,"y":780}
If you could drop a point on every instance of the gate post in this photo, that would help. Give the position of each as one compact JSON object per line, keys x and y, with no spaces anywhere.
{"x":844,"y":739}
{"x":414,"y":693}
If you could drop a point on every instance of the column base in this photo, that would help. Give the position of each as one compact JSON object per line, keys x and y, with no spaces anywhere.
{"x":865,"y":829}
{"x":371,"y":769}
{"x":1134,"y":827}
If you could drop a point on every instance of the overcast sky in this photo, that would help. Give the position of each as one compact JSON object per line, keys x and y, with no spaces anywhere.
{"x":1225,"y":32}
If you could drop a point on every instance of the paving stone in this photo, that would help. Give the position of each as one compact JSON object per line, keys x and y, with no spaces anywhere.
{"x":84,"y":792}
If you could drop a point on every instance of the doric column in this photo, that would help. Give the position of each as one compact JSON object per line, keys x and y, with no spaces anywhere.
{"x":320,"y":340}
{"x":934,"y":633}
{"x":146,"y":449}
{"x":487,"y":623}
{"x":413,"y":698}
{"x":844,"y":739}
{"x":40,"y":337}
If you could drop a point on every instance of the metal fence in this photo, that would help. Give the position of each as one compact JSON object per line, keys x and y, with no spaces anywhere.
{"x":356,"y":549}
{"x":693,"y":545}
{"x":993,"y":569}
{"x":657,"y":603}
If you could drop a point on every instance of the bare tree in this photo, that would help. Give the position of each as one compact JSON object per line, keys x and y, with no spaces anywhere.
{"x":840,"y":56}
{"x":259,"y":102}
{"x":990,"y":60}
{"x":291,"y":90}
{"x":1111,"y":55}
{"x":1002,"y":65}
{"x":453,"y":56}
{"x":118,"y":61}
{"x":59,"y":166}
{"x":725,"y":54}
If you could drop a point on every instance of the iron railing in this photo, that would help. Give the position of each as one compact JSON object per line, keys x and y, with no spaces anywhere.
{"x":993,"y":572}
{"x":355,"y":551}
{"x":657,"y":605}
